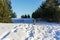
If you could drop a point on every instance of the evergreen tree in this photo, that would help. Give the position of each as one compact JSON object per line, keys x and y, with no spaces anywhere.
{"x":48,"y":11}
{"x":28,"y":16}
{"x":25,"y":16}
{"x":1,"y":10}
{"x":13,"y":15}
{"x":5,"y":11}
{"x":22,"y":16}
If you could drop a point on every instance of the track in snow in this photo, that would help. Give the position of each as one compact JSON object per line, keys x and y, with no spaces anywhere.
{"x":30,"y":32}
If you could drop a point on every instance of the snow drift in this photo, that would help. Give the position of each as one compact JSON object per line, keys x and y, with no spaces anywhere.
{"x":24,"y":31}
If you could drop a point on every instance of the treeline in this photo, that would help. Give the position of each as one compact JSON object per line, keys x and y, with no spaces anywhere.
{"x":25,"y":16}
{"x":6,"y":12}
{"x":48,"y":11}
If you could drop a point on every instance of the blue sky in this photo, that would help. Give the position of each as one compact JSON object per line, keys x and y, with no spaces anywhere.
{"x":22,"y":7}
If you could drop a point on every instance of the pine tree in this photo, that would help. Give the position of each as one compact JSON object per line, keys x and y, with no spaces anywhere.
{"x":25,"y":16}
{"x":5,"y":11}
{"x":48,"y":11}
{"x":1,"y":10}
{"x":13,"y":15}
{"x":22,"y":16}
{"x":28,"y":16}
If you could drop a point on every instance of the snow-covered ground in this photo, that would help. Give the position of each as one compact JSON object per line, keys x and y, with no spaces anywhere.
{"x":25,"y":31}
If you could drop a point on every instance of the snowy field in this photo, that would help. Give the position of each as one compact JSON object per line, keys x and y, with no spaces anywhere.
{"x":24,"y":31}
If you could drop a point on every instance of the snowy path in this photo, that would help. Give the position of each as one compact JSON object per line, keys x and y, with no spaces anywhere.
{"x":29,"y":31}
